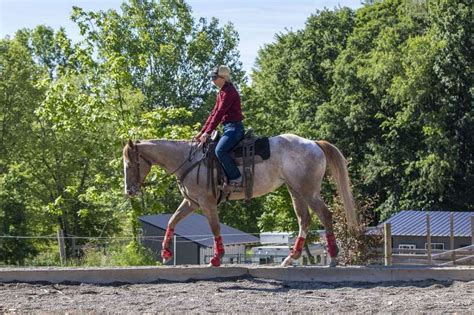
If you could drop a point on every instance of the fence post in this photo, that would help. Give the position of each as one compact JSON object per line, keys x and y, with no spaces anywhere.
{"x":62,"y":248}
{"x":451,"y":239}
{"x":472,"y":230}
{"x":388,"y":243}
{"x":428,"y":238}
{"x":73,"y":247}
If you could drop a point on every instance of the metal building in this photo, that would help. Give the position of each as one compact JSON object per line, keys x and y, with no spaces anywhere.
{"x":194,"y":239}
{"x":409,"y":229}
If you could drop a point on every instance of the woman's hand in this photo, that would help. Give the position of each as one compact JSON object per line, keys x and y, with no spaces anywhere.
{"x":197,"y":137}
{"x":204,"y":137}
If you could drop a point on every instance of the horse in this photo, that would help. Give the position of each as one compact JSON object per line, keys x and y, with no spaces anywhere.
{"x":295,"y":161}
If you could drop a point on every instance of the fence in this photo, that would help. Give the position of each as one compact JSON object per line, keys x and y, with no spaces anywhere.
{"x":87,"y":251}
{"x":429,"y":256}
{"x":391,"y":256}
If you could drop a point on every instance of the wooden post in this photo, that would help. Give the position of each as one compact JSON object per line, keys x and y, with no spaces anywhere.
{"x":62,"y":248}
{"x":428,"y":238}
{"x":472,"y":230}
{"x":73,"y":247}
{"x":451,"y":238}
{"x":388,"y":243}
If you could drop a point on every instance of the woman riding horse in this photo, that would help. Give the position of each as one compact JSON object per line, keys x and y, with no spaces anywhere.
{"x":296,"y":162}
{"x":227,"y":111}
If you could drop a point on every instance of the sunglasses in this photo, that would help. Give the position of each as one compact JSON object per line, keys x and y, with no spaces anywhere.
{"x":214,"y":77}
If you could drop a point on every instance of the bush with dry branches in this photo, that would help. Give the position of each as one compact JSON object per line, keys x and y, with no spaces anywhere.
{"x":356,"y":247}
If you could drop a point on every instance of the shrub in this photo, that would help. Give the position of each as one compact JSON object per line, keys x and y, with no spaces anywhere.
{"x":355,"y":246}
{"x":131,"y":254}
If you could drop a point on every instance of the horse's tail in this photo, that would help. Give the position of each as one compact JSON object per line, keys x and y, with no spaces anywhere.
{"x":337,"y":164}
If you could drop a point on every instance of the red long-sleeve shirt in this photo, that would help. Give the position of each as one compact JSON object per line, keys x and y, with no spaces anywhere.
{"x":226,"y":109}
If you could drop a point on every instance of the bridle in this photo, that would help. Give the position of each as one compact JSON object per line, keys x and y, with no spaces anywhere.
{"x":194,"y":148}
{"x":147,"y":161}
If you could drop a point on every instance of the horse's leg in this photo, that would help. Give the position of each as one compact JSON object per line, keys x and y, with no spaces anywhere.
{"x":185,"y":208}
{"x":304,"y":220}
{"x":320,"y":208}
{"x":210,"y":209}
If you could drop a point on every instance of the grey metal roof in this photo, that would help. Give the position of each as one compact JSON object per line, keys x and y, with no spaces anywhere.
{"x":195,"y":227}
{"x":413,"y":223}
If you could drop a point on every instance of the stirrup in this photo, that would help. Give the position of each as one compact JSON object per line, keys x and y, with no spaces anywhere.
{"x":231,"y":187}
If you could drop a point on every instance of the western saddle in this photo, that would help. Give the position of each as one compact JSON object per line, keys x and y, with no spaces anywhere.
{"x":249,"y":151}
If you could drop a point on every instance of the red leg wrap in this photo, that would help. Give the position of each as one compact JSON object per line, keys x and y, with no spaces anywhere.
{"x":166,"y":254}
{"x":218,"y":247}
{"x":332,"y":245}
{"x":298,"y":248}
{"x":218,"y":252}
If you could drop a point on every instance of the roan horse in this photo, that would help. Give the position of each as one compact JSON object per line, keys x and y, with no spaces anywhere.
{"x":297,"y":162}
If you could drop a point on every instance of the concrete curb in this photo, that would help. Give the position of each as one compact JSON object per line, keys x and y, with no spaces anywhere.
{"x":118,"y":274}
{"x":184,"y":273}
{"x":363,"y":274}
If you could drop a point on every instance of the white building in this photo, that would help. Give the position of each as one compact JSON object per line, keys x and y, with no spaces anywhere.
{"x":276,"y":246}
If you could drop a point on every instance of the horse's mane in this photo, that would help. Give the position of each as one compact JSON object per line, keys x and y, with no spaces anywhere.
{"x":125,"y":153}
{"x":127,"y":147}
{"x":167,"y":140}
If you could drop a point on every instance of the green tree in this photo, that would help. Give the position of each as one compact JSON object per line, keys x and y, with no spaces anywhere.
{"x":18,"y":98}
{"x":395,"y":110}
{"x":14,"y":215}
{"x":158,"y":48}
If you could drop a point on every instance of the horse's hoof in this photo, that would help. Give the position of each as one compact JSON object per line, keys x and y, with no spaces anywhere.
{"x":215,"y":262}
{"x":164,"y":260}
{"x":287,"y":262}
{"x":166,"y":255}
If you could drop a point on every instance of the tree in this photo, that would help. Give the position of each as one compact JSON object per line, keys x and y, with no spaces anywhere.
{"x":158,"y":48}
{"x":14,"y":215}
{"x":137,"y":74}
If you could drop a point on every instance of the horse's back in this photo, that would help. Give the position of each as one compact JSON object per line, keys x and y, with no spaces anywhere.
{"x":299,"y":157}
{"x":292,"y":158}
{"x":293,"y":146}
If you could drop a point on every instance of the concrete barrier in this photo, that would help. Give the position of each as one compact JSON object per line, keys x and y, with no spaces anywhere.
{"x":185,"y":273}
{"x":118,"y":274}
{"x":363,"y":274}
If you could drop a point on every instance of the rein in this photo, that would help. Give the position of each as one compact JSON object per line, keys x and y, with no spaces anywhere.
{"x":192,"y":152}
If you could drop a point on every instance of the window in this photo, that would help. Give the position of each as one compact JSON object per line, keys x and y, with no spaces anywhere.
{"x":436,"y":246}
{"x":406,"y":246}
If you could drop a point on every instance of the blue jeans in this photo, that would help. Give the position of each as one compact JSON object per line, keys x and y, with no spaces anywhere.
{"x":233,"y":133}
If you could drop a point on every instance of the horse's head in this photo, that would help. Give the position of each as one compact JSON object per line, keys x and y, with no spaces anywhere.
{"x":136,"y":168}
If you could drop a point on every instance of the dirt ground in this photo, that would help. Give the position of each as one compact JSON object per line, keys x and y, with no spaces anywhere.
{"x":243,"y":295}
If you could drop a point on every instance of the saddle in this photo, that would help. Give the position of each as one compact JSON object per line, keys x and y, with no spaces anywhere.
{"x":249,"y":151}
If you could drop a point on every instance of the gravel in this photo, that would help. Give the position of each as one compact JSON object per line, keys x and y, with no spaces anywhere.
{"x":242,"y":295}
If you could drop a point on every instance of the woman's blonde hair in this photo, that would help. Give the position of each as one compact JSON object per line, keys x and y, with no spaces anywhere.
{"x":224,"y":71}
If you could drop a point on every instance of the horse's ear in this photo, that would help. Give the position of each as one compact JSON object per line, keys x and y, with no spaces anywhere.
{"x":130,"y":143}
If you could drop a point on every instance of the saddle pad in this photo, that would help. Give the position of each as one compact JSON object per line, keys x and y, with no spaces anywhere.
{"x":262,"y":149}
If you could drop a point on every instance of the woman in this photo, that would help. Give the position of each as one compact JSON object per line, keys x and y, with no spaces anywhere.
{"x":227,"y":111}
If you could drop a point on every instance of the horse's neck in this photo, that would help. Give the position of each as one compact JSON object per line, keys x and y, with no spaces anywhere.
{"x":166,"y":153}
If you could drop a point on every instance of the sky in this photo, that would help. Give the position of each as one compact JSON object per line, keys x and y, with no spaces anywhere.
{"x":256,"y":21}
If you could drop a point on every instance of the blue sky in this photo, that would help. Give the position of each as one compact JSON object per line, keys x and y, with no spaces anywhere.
{"x":257,"y":22}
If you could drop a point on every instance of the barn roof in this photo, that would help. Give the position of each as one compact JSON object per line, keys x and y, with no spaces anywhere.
{"x":195,"y":227}
{"x":413,"y":223}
